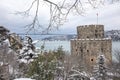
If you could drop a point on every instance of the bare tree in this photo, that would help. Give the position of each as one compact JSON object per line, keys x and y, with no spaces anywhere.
{"x":58,"y":11}
{"x":117,"y":55}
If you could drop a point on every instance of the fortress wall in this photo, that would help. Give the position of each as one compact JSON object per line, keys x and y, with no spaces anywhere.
{"x":90,"y":31}
{"x":90,"y":44}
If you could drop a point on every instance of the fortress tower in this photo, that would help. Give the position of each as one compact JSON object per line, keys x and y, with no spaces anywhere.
{"x":89,"y":44}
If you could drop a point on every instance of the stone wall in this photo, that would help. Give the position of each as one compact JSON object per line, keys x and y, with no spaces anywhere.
{"x":88,"y":47}
{"x":90,"y":31}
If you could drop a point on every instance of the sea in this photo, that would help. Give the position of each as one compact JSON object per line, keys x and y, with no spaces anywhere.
{"x":54,"y":45}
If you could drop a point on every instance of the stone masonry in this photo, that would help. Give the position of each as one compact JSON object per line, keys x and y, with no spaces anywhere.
{"x":89,"y":44}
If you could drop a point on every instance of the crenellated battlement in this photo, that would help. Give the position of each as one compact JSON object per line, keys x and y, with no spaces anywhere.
{"x":90,"y":31}
{"x":95,"y":25}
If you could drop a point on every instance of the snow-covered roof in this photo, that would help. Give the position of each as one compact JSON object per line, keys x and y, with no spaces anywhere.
{"x":24,"y":79}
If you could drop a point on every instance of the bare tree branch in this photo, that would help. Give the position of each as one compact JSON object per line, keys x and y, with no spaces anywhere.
{"x":53,"y":4}
{"x":26,"y":12}
{"x":58,"y":12}
{"x":71,"y":7}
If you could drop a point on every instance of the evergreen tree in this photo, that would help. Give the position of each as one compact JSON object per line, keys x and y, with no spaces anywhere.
{"x":101,"y":70}
{"x":46,"y":66}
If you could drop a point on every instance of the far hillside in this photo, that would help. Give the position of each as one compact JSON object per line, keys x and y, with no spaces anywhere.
{"x":113,"y":34}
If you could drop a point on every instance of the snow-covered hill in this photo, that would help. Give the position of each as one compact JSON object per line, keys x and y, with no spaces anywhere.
{"x":113,"y":34}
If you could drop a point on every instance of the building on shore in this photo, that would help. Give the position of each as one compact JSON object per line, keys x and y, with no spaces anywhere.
{"x":90,"y":43}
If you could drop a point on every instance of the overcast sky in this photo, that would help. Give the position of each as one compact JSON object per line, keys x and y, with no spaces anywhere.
{"x":108,"y":15}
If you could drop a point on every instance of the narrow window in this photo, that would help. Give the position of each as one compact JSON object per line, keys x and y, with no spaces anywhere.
{"x":101,"y":49}
{"x":76,"y":49}
{"x":88,"y":51}
{"x":96,"y":36}
{"x":87,"y":36}
{"x":96,"y":31}
{"x":81,"y":50}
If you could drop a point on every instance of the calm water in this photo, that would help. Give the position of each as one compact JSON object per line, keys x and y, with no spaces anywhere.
{"x":52,"y":45}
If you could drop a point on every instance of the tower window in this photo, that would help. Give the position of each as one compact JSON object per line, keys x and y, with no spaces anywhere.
{"x":96,"y":35}
{"x":101,"y":49}
{"x":87,"y":36}
{"x":87,"y":50}
{"x":76,"y":49}
{"x":91,"y":59}
{"x":81,"y":50}
{"x":96,"y":31}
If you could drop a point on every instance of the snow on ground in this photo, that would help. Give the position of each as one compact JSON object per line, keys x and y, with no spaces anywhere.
{"x":23,"y":79}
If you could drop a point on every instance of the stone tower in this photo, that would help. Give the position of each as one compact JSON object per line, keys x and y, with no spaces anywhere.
{"x":89,"y":44}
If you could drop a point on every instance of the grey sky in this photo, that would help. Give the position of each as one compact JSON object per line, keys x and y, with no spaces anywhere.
{"x":108,"y":15}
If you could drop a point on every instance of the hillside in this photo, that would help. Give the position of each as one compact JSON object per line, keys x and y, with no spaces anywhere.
{"x":60,"y":37}
{"x":113,"y":34}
